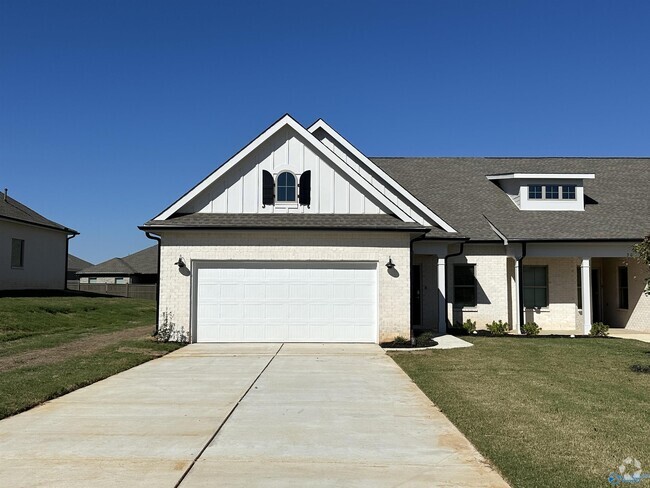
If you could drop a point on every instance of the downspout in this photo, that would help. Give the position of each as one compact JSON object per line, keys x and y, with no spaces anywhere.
{"x":520,"y":278}
{"x":460,"y":251}
{"x":67,"y":253}
{"x":159,"y":241}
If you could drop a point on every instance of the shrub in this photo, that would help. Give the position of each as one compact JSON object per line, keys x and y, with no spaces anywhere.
{"x":401,"y":340}
{"x":425,"y":340}
{"x":531,"y":329}
{"x":641,"y":368}
{"x":498,"y":328}
{"x":598,"y":329}
{"x":469,"y":326}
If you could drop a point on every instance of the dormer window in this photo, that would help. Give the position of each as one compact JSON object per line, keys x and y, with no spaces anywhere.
{"x":544,"y":191}
{"x":286,"y":187}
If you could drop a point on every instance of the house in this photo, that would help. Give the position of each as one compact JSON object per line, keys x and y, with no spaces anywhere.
{"x":75,"y":264}
{"x":137,"y":268}
{"x":33,"y":249}
{"x":301,"y":237}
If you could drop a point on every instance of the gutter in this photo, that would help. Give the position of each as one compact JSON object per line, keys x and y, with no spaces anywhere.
{"x":147,"y":228}
{"x":159,"y":241}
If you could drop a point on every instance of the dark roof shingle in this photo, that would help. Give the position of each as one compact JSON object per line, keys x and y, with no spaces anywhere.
{"x":141,"y":262}
{"x":12,"y":209}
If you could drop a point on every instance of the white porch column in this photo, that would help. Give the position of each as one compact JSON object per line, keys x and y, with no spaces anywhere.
{"x":585,"y":276}
{"x":442,"y":295}
{"x":516,"y":316}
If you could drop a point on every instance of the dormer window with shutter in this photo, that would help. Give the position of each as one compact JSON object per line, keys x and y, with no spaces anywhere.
{"x":286,"y":189}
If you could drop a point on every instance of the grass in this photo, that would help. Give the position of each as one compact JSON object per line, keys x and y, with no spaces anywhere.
{"x":113,"y":335}
{"x":546,"y":412}
{"x":35,"y":322}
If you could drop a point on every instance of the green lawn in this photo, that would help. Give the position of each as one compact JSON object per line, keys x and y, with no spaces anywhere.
{"x":52,"y":345}
{"x":546,"y":412}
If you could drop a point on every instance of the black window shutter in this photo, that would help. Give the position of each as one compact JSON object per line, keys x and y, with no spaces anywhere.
{"x":268,"y":188}
{"x":304,"y":197}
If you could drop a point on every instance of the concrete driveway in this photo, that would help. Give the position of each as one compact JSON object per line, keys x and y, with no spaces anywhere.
{"x":244,"y":415}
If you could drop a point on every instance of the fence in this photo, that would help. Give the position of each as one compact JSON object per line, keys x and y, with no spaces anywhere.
{"x":147,"y":292}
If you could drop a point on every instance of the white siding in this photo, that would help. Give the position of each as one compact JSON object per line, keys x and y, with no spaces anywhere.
{"x":239,"y":191}
{"x":44,"y":257}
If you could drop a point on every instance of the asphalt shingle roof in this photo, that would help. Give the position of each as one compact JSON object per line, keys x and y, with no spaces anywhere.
{"x":286,"y":221}
{"x":141,"y":262}
{"x":12,"y":209}
{"x":459,"y":192}
{"x":76,"y":264}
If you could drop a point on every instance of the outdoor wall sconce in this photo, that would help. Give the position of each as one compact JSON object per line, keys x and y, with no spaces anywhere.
{"x":390,"y":264}
{"x":180,"y":263}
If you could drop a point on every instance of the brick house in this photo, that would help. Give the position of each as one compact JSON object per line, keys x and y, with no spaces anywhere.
{"x":300,"y":237}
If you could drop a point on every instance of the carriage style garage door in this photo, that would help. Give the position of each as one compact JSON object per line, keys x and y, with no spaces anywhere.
{"x":286,"y":302}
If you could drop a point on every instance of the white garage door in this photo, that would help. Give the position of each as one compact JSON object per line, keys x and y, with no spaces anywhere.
{"x":287,"y":302}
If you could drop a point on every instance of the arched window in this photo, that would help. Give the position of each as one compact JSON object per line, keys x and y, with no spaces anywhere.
{"x":286,"y":187}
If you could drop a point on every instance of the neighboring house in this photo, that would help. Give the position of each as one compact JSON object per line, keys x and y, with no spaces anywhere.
{"x":301,"y":237}
{"x":33,"y":249}
{"x":75,"y":264}
{"x":137,"y":268}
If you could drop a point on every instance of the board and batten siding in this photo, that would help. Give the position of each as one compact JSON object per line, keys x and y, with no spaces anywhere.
{"x":240,"y":189}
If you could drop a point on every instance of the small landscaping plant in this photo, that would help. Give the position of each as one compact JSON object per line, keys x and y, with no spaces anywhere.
{"x":167,"y":331}
{"x":598,"y":329}
{"x":425,"y":340}
{"x":469,"y":327}
{"x":499,"y":328}
{"x":641,"y":368}
{"x":531,"y":329}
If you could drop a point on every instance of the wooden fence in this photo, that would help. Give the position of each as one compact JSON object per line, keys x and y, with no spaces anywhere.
{"x":147,"y":292}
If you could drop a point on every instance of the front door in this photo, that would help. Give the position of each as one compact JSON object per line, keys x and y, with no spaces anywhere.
{"x":416,"y":295}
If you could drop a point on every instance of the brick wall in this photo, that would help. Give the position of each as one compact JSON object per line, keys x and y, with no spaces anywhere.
{"x":394,"y":290}
{"x":637,"y":315}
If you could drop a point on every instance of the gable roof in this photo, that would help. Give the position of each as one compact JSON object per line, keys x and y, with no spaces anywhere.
{"x":381,"y":174}
{"x":141,"y":262}
{"x":617,"y":204}
{"x":76,"y":264}
{"x":332,"y":158}
{"x":12,"y":209}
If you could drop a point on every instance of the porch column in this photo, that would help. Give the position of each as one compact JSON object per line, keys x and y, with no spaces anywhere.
{"x":442,"y":295}
{"x":585,"y":276}
{"x":518,"y":298}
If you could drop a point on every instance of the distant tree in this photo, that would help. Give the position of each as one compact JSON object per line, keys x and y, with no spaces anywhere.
{"x":642,"y":253}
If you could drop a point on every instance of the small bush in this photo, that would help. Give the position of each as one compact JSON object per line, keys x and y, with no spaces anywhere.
{"x":425,"y":340}
{"x":498,"y":328}
{"x":531,"y":329}
{"x":401,"y":340}
{"x":469,"y":326}
{"x":641,"y":368}
{"x":598,"y":329}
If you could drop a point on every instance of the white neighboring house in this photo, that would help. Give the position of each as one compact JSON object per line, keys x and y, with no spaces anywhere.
{"x":300,"y":237}
{"x":33,"y":249}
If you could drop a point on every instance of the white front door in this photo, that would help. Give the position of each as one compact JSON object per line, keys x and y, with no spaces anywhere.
{"x":286,"y":302}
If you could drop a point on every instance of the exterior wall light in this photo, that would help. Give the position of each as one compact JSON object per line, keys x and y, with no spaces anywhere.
{"x":390,"y":264}
{"x":180,"y":263}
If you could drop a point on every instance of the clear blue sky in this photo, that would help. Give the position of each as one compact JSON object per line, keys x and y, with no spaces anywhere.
{"x":110,"y":110}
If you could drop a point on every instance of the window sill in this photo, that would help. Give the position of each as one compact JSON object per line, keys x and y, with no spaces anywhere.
{"x":291,"y":205}
{"x":539,"y":310}
{"x":465,"y":309}
{"x":17,"y":267}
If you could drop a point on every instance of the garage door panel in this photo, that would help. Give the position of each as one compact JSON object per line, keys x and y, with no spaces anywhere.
{"x":286,"y":301}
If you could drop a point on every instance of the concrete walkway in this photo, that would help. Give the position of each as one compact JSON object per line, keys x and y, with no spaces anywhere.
{"x":244,"y":416}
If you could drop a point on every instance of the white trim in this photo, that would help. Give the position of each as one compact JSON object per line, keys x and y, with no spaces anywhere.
{"x":399,"y":189}
{"x":555,"y":176}
{"x":318,"y":145}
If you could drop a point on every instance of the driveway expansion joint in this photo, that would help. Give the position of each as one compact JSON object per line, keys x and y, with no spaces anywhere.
{"x":232,"y":410}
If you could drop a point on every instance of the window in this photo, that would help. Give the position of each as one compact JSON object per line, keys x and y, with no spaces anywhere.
{"x":286,"y":187}
{"x":552,"y":192}
{"x":17,"y":253}
{"x":92,"y":280}
{"x":120,"y":280}
{"x":464,"y":285}
{"x":535,"y":192}
{"x":568,"y":192}
{"x":623,"y":296}
{"x":535,"y":286}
